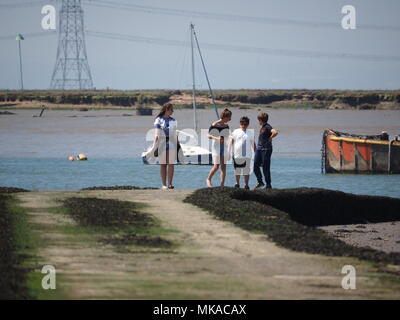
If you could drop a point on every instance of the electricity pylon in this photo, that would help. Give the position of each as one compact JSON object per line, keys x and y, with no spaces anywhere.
{"x":71,"y":70}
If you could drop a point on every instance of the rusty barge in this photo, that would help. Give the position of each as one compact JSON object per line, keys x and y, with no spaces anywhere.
{"x":349,"y":153}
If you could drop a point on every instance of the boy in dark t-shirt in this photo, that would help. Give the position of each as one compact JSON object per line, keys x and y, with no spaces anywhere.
{"x":264,"y":151}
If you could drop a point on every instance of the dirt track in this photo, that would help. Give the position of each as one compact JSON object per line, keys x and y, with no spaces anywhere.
{"x":214,"y":259}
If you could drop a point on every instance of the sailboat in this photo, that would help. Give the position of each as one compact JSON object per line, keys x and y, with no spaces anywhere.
{"x":191,"y":154}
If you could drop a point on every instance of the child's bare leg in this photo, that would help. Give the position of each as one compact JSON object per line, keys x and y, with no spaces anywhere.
{"x":246,"y":179}
{"x":237,"y":178}
{"x":213,"y":170}
{"x":170,"y":174}
{"x":223,"y":174}
{"x":163,"y":173}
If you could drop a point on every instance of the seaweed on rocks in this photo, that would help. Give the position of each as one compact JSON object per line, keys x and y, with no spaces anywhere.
{"x":289,"y":216}
{"x":11,"y":190}
{"x":321,"y":207}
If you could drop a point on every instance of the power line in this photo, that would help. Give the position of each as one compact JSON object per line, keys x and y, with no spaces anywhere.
{"x":230,"y":17}
{"x":223,"y":47}
{"x":246,"y":49}
{"x":24,"y":4}
{"x":207,"y":15}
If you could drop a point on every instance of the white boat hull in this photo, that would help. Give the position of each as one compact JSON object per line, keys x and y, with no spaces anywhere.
{"x":192,"y":155}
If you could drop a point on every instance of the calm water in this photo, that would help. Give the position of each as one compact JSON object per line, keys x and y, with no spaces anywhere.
{"x":34,"y":151}
{"x":59,"y":174}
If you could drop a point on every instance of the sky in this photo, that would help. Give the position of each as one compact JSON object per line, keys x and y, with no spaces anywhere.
{"x":268,"y":44}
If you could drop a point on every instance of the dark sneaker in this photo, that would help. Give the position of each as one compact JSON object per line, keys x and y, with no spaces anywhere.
{"x":268,"y":186}
{"x":237,"y":186}
{"x":247,"y":187}
{"x":259,"y":185}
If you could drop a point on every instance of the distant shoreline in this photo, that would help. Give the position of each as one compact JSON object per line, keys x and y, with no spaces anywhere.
{"x":182,"y":99}
{"x":4,"y":108}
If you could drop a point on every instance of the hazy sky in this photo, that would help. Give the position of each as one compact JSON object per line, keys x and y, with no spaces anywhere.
{"x":310,"y":56}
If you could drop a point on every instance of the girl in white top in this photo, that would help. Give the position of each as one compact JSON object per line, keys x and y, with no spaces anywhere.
{"x":165,"y":141}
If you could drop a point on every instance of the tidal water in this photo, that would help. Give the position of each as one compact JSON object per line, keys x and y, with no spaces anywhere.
{"x":60,"y":174}
{"x":34,"y":151}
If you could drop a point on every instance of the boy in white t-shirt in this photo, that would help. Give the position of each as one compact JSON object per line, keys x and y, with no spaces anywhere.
{"x":243,"y":147}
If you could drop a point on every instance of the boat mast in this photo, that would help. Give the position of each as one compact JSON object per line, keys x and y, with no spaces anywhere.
{"x":193,"y":78}
{"x":205,"y":72}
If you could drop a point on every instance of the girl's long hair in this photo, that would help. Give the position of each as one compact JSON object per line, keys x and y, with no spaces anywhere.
{"x":165,"y":107}
{"x":226,"y":113}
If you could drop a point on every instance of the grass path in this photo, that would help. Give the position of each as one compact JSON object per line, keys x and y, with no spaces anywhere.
{"x":212,"y":260}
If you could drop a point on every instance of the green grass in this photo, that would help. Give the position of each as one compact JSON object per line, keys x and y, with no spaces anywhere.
{"x":14,"y":250}
{"x":390,"y":279}
{"x":34,"y":283}
{"x":19,"y":262}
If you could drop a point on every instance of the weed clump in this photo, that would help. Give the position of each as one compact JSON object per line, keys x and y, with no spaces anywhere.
{"x":11,"y":190}
{"x":121,"y":220}
{"x":93,"y":212}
